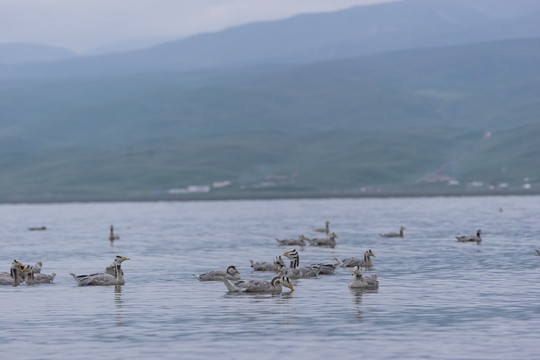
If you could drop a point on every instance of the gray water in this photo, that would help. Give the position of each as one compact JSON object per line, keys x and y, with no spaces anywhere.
{"x":438,"y":299}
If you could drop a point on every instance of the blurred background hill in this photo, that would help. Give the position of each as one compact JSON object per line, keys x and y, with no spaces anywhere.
{"x":411,"y":96}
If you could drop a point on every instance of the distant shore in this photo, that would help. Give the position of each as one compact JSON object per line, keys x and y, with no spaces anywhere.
{"x":71,"y":198}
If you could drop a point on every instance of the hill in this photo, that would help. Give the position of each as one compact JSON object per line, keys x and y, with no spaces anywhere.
{"x":21,"y":53}
{"x":275,"y":164}
{"x":483,"y":87}
{"x":307,"y":38}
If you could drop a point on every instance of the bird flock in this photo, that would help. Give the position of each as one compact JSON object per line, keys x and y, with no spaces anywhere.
{"x":284,"y":274}
{"x":113,"y":274}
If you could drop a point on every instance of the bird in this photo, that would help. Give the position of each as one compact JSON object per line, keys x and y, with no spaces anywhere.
{"x":31,"y":277}
{"x":102,"y":279}
{"x":266,"y":265}
{"x":231,"y":273}
{"x":14,"y":277}
{"x":359,"y":281}
{"x":37,"y":228}
{"x":295,"y":271}
{"x":36,"y":269}
{"x":537,"y":251}
{"x":471,"y":238}
{"x":258,"y":285}
{"x":329,"y":241}
{"x":291,"y":242}
{"x":354,"y":261}
{"x":394,"y":234}
{"x":112,"y":235}
{"x":325,"y":229}
{"x":111,"y":268}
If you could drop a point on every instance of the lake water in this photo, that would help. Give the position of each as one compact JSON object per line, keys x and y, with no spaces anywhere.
{"x":438,"y":299}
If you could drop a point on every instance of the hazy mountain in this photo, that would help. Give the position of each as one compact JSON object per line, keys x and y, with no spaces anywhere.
{"x":314,"y":37}
{"x":388,"y":119}
{"x":128,"y":45}
{"x":483,"y":86}
{"x":19,"y":53}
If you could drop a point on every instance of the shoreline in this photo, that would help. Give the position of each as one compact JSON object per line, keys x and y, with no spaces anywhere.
{"x":265,"y":196}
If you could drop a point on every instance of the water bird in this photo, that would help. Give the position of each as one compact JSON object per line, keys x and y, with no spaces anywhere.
{"x":359,"y":281}
{"x":39,"y":228}
{"x":329,"y":241}
{"x":31,"y":277}
{"x":295,"y":271}
{"x":320,"y":268}
{"x":471,"y":238}
{"x":537,"y":251}
{"x":325,"y":229}
{"x":15,"y":275}
{"x":112,"y":235}
{"x":102,"y":279}
{"x":354,"y":261}
{"x":266,"y":265}
{"x":231,"y":273}
{"x":258,"y":285}
{"x":293,"y":242}
{"x":117,"y":260}
{"x":394,"y":234}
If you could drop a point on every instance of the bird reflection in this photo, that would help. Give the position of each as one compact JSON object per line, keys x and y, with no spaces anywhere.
{"x":357,"y":301}
{"x":118,"y":301}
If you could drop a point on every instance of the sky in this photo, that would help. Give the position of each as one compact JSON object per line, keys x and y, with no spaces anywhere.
{"x":86,"y":25}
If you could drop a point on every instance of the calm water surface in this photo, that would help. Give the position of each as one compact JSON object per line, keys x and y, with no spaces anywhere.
{"x":438,"y":299}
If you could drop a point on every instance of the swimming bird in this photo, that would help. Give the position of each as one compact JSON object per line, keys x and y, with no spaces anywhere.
{"x":117,"y":260}
{"x":394,"y":234}
{"x":537,"y":251}
{"x":36,"y":269}
{"x":325,"y":229}
{"x":102,"y":279}
{"x":354,"y":261}
{"x":471,"y":238}
{"x":329,"y":241}
{"x":266,"y":265}
{"x":291,"y":242}
{"x":359,"y":281}
{"x":14,"y":277}
{"x":32,"y":278}
{"x":295,"y":271}
{"x":258,"y":285}
{"x":37,"y":228}
{"x":112,"y":235}
{"x":231,"y":273}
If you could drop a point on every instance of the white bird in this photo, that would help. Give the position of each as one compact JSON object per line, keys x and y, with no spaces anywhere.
{"x":329,"y":241}
{"x":394,"y":234}
{"x":354,"y":261}
{"x":231,"y":273}
{"x":112,"y":235}
{"x":266,"y":265}
{"x":358,"y":281}
{"x":325,"y":229}
{"x":31,"y":277}
{"x":291,"y":242}
{"x":471,"y":238}
{"x":259,"y":286}
{"x":14,"y":277}
{"x":101,"y":279}
{"x":111,"y":268}
{"x":295,"y":271}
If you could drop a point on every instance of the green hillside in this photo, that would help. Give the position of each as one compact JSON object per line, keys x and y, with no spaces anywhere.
{"x":278,"y":164}
{"x":410,"y":119}
{"x":486,"y":86}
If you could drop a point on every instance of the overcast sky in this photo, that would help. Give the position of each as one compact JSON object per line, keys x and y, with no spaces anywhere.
{"x":83,"y":25}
